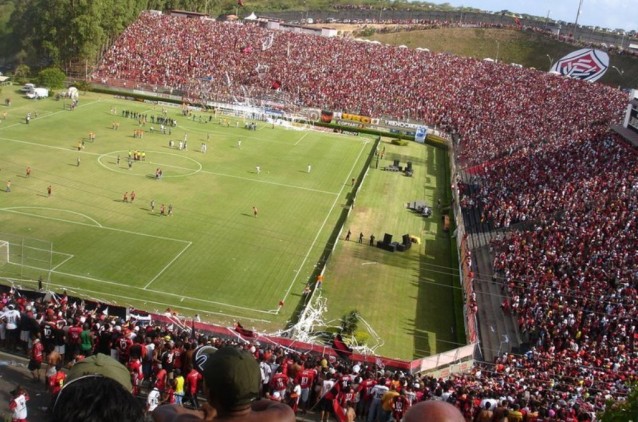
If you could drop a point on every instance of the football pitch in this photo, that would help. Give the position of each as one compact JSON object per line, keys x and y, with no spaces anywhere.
{"x":214,"y":255}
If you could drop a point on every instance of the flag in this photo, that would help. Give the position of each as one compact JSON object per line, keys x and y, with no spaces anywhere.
{"x":341,"y":348}
{"x":276,"y":84}
{"x":340,"y":412}
{"x":517,"y":21}
{"x":106,"y":311}
{"x":244,"y":332}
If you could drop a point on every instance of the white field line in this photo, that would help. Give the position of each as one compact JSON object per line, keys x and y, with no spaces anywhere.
{"x":180,"y":168}
{"x":270,"y":183}
{"x":188,"y":244}
{"x":49,"y":115}
{"x":300,"y":139}
{"x":168,"y":265}
{"x":140,"y":288}
{"x":197,"y":310}
{"x":69,"y":257}
{"x":14,"y":210}
{"x":314,"y":241}
{"x":128,"y":286}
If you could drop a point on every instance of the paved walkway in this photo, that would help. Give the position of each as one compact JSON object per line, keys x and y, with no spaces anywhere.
{"x":14,"y":372}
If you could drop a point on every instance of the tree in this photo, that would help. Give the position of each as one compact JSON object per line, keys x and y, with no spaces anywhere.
{"x":622,"y":411}
{"x":349,"y":323}
{"x":22,"y":72}
{"x":51,"y":77}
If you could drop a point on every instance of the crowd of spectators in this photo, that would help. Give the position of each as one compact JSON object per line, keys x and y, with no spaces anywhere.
{"x":210,"y":60}
{"x":165,"y":365}
{"x":536,"y":148}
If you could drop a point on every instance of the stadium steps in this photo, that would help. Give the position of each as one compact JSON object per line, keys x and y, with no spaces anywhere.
{"x":494,"y":325}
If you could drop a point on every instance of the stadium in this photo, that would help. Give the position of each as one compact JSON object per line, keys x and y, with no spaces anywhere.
{"x":233,"y":182}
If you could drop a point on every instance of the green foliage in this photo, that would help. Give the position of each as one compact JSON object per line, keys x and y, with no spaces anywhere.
{"x":22,"y":72}
{"x":82,"y":85}
{"x":362,"y":337}
{"x":399,"y":142}
{"x":622,"y":411}
{"x":349,"y":323}
{"x":52,"y":78}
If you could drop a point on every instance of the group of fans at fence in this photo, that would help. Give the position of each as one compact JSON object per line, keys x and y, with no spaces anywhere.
{"x":162,"y":364}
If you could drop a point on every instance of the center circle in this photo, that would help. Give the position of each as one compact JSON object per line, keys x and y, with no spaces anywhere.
{"x":172,"y":165}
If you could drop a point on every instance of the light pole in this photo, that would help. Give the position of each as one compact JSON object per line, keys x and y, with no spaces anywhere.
{"x":498,"y":49}
{"x":551,"y":61}
{"x":580,"y":5}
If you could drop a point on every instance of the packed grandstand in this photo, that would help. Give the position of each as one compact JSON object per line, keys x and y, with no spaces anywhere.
{"x":537,"y":161}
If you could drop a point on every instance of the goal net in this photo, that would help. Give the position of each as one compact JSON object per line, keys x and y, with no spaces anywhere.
{"x":25,"y":259}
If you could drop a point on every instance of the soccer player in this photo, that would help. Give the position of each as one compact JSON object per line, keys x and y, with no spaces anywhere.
{"x":125,"y":197}
{"x":309,"y":168}
{"x":258,"y":169}
{"x":28,"y":171}
{"x":255,"y":211}
{"x":132,"y":196}
{"x":152,"y":205}
{"x":49,"y":190}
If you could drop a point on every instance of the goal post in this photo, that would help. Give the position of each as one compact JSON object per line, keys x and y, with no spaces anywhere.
{"x":26,"y":259}
{"x":4,"y":252}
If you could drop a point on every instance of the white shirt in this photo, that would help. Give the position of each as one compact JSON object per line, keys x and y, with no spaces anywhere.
{"x":378,"y":391}
{"x":153,"y":399}
{"x":12,"y":317}
{"x":20,"y":411}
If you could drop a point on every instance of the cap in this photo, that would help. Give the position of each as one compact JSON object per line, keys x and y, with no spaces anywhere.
{"x":200,"y":357}
{"x":102,"y":365}
{"x":232,"y":377}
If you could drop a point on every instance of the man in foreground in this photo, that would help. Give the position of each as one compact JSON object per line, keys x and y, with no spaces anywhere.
{"x":231,"y":385}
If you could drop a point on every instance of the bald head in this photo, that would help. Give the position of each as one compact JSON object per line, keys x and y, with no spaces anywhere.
{"x":433,"y":411}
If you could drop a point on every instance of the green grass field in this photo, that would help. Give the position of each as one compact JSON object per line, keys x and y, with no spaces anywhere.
{"x":213,"y":256}
{"x":407,"y":297}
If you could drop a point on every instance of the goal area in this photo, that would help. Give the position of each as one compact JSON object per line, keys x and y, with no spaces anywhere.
{"x":25,"y":259}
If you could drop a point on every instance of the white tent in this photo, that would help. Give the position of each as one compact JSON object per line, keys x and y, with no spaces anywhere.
{"x":251,"y":17}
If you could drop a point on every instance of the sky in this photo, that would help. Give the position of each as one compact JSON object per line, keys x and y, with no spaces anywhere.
{"x":610,"y":14}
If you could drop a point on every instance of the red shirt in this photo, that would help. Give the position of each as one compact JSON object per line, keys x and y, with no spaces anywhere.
{"x":56,"y":382}
{"x":399,"y":406}
{"x":279,"y":382}
{"x":305,"y":378}
{"x":74,"y":334}
{"x":192,"y":379}
{"x":123,"y":346}
{"x":135,"y":368}
{"x":366,"y":387}
{"x":160,"y":383}
{"x":37,"y":352}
